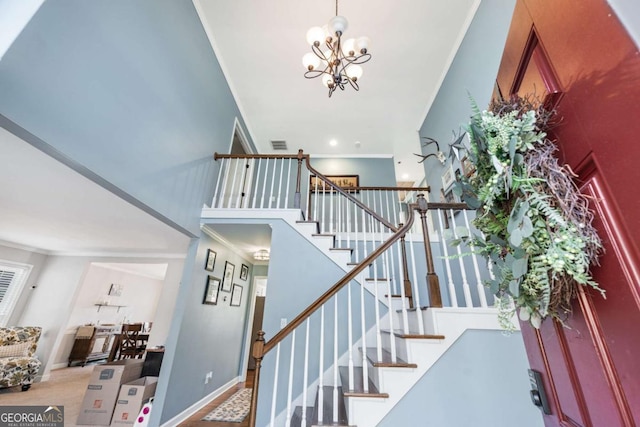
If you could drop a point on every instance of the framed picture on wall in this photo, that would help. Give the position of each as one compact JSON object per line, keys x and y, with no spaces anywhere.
{"x":347,"y":182}
{"x":244,"y":272}
{"x":210,"y":261}
{"x":448,"y":177}
{"x":115,"y":290}
{"x":236,"y":295}
{"x":227,"y":280}
{"x":211,"y":290}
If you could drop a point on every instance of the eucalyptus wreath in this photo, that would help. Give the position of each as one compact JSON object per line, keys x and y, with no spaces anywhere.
{"x":535,"y":226}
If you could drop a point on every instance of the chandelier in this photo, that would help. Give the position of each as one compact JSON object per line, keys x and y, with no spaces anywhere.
{"x":339,"y":64}
{"x":261,"y":255}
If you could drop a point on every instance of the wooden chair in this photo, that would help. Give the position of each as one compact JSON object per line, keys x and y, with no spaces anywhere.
{"x":130,"y":346}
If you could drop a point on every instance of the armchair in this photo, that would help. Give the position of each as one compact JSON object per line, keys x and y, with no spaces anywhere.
{"x":18,"y":363}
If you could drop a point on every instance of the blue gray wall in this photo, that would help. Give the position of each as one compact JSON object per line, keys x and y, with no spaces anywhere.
{"x":210,"y":337}
{"x":372,"y":171}
{"x":130,"y":90}
{"x":481,"y":381}
{"x":473,"y":72}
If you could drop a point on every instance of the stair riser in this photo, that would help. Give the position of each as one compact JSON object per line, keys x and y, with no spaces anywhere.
{"x":413,"y":322}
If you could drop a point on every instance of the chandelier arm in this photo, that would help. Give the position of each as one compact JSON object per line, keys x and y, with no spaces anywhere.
{"x":358,"y":59}
{"x":353,"y":84}
{"x":313,"y":74}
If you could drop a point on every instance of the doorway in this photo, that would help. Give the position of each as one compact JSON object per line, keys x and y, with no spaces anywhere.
{"x":237,"y":181}
{"x":254,"y":321}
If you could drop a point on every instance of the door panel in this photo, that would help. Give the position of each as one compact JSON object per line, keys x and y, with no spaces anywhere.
{"x":580,"y":59}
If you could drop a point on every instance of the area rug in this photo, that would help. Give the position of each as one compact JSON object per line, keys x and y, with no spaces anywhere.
{"x":232,"y":410}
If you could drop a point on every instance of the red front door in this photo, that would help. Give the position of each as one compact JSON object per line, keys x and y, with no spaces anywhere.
{"x":578,"y":56}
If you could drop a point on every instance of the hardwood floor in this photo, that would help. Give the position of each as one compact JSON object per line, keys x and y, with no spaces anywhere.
{"x":196,"y":419}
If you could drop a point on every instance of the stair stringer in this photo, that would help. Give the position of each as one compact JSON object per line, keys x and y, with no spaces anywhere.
{"x":450,"y":322}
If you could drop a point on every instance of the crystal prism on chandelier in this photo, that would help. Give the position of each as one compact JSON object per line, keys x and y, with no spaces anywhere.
{"x":339,"y":64}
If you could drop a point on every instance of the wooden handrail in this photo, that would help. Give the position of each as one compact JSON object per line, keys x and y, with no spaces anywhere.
{"x":455,"y":206}
{"x":339,"y":285}
{"x":350,"y":189}
{"x":349,"y":196}
{"x":217,"y":156}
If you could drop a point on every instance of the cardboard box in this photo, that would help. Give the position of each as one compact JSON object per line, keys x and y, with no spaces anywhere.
{"x":102,"y":391}
{"x":131,"y":398}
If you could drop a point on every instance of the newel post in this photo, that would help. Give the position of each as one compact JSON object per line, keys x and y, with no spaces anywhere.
{"x":433,"y":284}
{"x":296,"y":199}
{"x":258,"y":354}
{"x":405,"y":270}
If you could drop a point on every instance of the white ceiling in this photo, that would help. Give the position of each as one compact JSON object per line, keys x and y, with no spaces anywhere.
{"x":49,"y":207}
{"x":245,"y":239}
{"x":260,"y":45}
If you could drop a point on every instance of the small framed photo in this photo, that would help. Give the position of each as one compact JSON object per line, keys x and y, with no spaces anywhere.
{"x":227,"y":280}
{"x":236,"y":295}
{"x":211,"y":290}
{"x":448,"y":177}
{"x":244,"y":272}
{"x":467,"y":167}
{"x":115,"y":290}
{"x":210,"y":261}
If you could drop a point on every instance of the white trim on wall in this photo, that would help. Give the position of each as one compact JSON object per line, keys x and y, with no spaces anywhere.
{"x":206,"y":26}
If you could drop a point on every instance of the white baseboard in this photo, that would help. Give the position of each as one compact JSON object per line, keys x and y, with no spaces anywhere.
{"x":59,"y":366}
{"x":182,"y":416}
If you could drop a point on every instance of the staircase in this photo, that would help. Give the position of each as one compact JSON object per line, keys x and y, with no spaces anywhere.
{"x":361,"y":346}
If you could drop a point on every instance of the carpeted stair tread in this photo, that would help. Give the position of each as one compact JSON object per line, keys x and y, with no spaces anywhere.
{"x":372,"y":355}
{"x":327,"y":408}
{"x":341,"y":249}
{"x":296,"y":417}
{"x":357,"y":389}
{"x":414,"y":335}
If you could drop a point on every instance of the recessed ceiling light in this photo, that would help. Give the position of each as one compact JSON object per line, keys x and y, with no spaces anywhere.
{"x":357,"y":143}
{"x":333,"y":143}
{"x":405,"y":176}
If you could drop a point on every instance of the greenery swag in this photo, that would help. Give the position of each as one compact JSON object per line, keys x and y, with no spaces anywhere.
{"x":536,"y":226}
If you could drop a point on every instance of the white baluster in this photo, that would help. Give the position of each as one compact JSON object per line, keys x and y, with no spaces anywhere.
{"x":275,"y":387}
{"x":338,"y":221}
{"x":288,"y":189}
{"x":416,"y":290}
{"x":321,"y":369}
{"x":376,"y":301}
{"x":264,"y":184}
{"x":447,"y":262}
{"x":476,"y":268}
{"x":233,"y":183}
{"x":350,"y":335}
{"x":280,"y":184}
{"x":363,"y":327}
{"x":323,"y":213}
{"x":273,"y":182}
{"x":332,"y":226}
{"x":290,"y":388}
{"x":224,"y":183}
{"x":305,"y":379}
{"x":335,"y":359}
{"x":255,"y":190}
{"x":391,"y":309}
{"x":315,"y":205}
{"x":465,"y":284}
{"x":215,"y":194}
{"x":405,"y":314}
{"x":356,"y":236}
